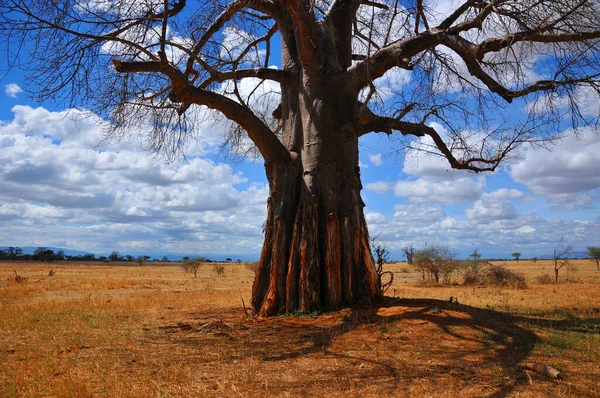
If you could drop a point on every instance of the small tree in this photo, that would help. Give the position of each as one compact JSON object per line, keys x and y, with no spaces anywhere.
{"x":409,"y":252}
{"x":115,"y":256}
{"x":14,"y":252}
{"x":192,"y":266}
{"x":382,"y":255}
{"x":165,"y":259}
{"x":517,"y":256}
{"x":475,"y":255}
{"x":534,"y":260}
{"x":437,"y":261}
{"x":142,"y":259}
{"x":561,"y":252}
{"x":43,"y":254}
{"x":594,"y":253}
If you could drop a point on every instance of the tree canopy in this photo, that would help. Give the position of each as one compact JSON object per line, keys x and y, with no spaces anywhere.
{"x":465,"y":62}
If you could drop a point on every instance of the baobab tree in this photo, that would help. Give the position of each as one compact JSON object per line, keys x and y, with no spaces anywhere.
{"x":161,"y":67}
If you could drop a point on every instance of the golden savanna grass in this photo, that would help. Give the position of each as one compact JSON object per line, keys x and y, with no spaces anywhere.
{"x":154,"y":331}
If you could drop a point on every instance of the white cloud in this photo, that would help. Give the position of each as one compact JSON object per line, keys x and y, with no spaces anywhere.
{"x":379,"y":187}
{"x":447,"y":192}
{"x":489,"y":208}
{"x":573,"y":202}
{"x":12,"y":90}
{"x":507,"y":193}
{"x":418,"y":214}
{"x":51,"y":175}
{"x":569,"y":169}
{"x":235,"y":41}
{"x":376,"y":159}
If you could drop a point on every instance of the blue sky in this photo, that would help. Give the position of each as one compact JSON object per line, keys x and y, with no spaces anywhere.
{"x":57,"y":188}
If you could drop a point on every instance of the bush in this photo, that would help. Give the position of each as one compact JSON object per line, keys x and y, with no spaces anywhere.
{"x":192,"y":266}
{"x":219,"y":269}
{"x":494,"y":275}
{"x":437,"y":262}
{"x":544,"y":279}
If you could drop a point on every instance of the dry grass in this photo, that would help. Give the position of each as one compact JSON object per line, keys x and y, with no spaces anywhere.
{"x":121,"y":331}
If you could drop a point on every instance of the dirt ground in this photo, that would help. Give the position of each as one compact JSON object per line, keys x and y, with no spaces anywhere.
{"x":155,"y":331}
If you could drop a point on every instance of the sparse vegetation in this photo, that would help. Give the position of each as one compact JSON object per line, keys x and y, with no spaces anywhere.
{"x":192,"y":266}
{"x":438,"y":262}
{"x":543,"y":279}
{"x":252,"y":266}
{"x":561,"y":260}
{"x":219,"y":269}
{"x":153,"y":330}
{"x":409,"y":253}
{"x":494,"y":275}
{"x":593,"y":252}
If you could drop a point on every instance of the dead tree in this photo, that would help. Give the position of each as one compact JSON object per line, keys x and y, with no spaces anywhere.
{"x":560,"y":258}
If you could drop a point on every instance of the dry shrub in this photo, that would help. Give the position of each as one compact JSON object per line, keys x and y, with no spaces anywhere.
{"x":494,"y":275}
{"x":192,"y":266}
{"x":219,"y":269}
{"x":544,"y":279}
{"x":252,"y":266}
{"x":428,"y":283}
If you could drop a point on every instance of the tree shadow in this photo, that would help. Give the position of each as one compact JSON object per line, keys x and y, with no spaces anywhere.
{"x":393,"y":345}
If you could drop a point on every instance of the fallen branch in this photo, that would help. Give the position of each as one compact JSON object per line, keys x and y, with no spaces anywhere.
{"x":542,"y":369}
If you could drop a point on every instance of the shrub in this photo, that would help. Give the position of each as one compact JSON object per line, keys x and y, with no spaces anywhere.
{"x":437,"y":262}
{"x":494,"y":275}
{"x":544,"y":279}
{"x":219,"y":269}
{"x":192,"y":266}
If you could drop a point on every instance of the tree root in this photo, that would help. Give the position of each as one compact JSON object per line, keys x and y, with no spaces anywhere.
{"x":542,"y":369}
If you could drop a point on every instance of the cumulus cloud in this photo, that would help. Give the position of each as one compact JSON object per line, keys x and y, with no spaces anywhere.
{"x":447,"y":192}
{"x":507,"y":193}
{"x":376,"y":159}
{"x":379,"y":186}
{"x":530,"y":234}
{"x":569,"y":169}
{"x":52,"y":175}
{"x":12,"y":90}
{"x":573,"y":203}
{"x":489,"y":208}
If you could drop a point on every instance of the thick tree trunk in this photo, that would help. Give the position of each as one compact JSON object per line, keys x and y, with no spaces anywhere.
{"x":316,"y":253}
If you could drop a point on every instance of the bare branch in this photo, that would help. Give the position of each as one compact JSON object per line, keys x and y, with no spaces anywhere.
{"x":369,"y":122}
{"x":267,"y":143}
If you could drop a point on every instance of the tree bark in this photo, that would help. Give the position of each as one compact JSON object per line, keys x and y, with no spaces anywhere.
{"x":316,"y":253}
